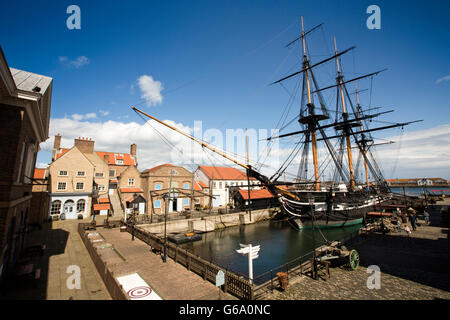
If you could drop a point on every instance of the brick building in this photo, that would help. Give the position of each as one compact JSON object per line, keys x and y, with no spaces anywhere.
{"x":25,"y":100}
{"x":155,"y":183}
{"x":81,"y":177}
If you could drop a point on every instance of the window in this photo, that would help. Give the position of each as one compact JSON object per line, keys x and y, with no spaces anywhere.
{"x":101,"y":187}
{"x":119,"y":161}
{"x":81,"y":205}
{"x":174,"y":172}
{"x":131,"y":181}
{"x":81,"y":174}
{"x":56,"y":207}
{"x":80,"y":186}
{"x":63,"y":173}
{"x":158,"y":186}
{"x":215,"y":185}
{"x":232,"y":183}
{"x":62,"y":185}
{"x":186,"y":202}
{"x":112,"y":173}
{"x":99,"y":174}
{"x":186,"y":186}
{"x":220,"y":185}
{"x":157,"y":204}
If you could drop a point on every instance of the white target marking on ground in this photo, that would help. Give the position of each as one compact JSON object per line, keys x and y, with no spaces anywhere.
{"x":136,"y":288}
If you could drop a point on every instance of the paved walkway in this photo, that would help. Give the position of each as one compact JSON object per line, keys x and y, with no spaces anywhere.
{"x":411,"y":268}
{"x":170,"y":280}
{"x":64,"y":248}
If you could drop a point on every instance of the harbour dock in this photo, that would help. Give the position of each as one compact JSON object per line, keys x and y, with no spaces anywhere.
{"x":411,"y":268}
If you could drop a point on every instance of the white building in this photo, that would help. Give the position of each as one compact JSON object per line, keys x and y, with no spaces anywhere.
{"x":220,"y":179}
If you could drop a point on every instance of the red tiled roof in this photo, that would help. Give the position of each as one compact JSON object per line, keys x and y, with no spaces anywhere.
{"x":103,"y":200}
{"x":126,"y":190}
{"x":197,"y":187}
{"x":157,"y":167}
{"x":127,"y":159}
{"x":113,"y":180}
{"x":224,"y":173}
{"x":63,"y":151}
{"x":202,"y":184}
{"x":256,"y":194}
{"x":39,"y":173}
{"x":102,"y":206}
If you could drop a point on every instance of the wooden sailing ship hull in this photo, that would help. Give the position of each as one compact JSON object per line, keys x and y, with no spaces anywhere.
{"x":330,"y":211}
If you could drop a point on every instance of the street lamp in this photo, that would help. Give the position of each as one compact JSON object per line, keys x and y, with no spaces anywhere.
{"x":135,"y":209}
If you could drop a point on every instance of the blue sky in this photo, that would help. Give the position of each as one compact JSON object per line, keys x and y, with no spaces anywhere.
{"x":214,"y":58}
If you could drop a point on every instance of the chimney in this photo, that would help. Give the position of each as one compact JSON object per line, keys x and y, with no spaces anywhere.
{"x":85,"y":145}
{"x":106,"y":158}
{"x":133,"y":148}
{"x":56,"y":146}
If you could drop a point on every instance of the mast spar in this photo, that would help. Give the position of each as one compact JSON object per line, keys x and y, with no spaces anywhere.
{"x":266,"y":181}
{"x":345,"y":115}
{"x":312,"y":123}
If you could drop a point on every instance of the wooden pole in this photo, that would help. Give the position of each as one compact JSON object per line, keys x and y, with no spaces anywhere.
{"x":364,"y":143}
{"x":278,"y":189}
{"x":311,"y":112}
{"x":192,"y":195}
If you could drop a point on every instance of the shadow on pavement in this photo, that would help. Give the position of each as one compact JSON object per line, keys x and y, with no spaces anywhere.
{"x":33,"y":285}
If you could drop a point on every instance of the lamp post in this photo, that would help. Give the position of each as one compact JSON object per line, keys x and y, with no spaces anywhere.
{"x":135,"y":209}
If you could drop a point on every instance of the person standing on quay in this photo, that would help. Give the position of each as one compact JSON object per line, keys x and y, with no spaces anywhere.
{"x":412,"y":219}
{"x":426,"y":216}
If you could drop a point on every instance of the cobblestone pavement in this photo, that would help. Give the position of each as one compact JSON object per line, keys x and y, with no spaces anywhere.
{"x":170,"y":280}
{"x":411,"y":268}
{"x":64,"y":248}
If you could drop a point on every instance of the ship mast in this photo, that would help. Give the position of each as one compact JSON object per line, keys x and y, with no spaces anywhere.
{"x":345,"y":115}
{"x":312,"y":125}
{"x":363,"y":140}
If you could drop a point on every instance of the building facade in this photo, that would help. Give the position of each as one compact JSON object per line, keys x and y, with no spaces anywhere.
{"x":221,"y":179}
{"x":81,"y":176}
{"x":156,"y":183}
{"x":25,"y":100}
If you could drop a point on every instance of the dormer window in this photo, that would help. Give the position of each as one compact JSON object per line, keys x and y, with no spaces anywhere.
{"x":119,"y":161}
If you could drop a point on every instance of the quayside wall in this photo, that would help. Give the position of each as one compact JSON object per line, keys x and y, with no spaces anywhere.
{"x":208,"y":224}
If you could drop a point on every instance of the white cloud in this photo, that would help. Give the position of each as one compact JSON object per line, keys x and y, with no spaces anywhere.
{"x":41,"y":165}
{"x":446,"y":78}
{"x":79,"y":117}
{"x":77,"y":63}
{"x":104,"y":112}
{"x":150,"y":90}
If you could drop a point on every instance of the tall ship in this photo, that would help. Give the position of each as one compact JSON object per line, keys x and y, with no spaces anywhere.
{"x":340,"y":133}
